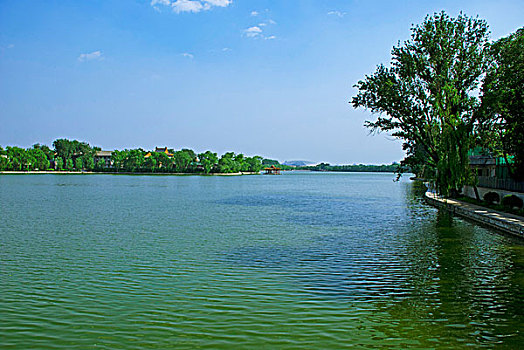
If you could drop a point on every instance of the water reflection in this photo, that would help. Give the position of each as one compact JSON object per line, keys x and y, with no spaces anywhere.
{"x":421,"y":274}
{"x":463,"y":285}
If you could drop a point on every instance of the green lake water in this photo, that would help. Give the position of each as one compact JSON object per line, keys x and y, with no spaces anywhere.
{"x":302,"y":260}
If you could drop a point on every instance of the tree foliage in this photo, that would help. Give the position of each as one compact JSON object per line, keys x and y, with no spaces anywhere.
{"x":427,"y":97}
{"x":74,"y":155}
{"x":208,"y":161}
{"x":503,"y":101}
{"x":183,"y":160}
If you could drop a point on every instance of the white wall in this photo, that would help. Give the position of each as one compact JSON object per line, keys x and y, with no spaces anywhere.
{"x":468,"y":191}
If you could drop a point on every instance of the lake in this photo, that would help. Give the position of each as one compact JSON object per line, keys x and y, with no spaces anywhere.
{"x":301,"y":260}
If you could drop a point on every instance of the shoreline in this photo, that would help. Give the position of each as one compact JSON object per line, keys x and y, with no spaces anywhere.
{"x":60,"y":172}
{"x":508,"y":223}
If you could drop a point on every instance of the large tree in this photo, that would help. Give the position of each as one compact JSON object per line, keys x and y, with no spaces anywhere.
{"x":182,"y":160}
{"x":426,"y":97}
{"x":208,"y":160}
{"x":67,"y":149}
{"x":40,"y":159}
{"x":503,"y":101}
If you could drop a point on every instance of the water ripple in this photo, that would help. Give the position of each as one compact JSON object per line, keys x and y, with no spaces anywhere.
{"x":297,"y":261}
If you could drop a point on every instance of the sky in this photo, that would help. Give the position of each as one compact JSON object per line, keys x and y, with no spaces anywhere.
{"x":270,"y":78}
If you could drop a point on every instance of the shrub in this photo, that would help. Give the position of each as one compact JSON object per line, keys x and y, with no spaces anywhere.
{"x":512,"y":201}
{"x":491,"y":197}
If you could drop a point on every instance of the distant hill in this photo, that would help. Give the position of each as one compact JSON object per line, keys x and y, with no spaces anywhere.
{"x":298,"y":163}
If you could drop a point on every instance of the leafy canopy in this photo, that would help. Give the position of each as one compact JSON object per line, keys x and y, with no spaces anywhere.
{"x":426,"y":97}
{"x":503,"y":101}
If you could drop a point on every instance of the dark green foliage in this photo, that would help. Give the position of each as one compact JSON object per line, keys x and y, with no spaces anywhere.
{"x":59,"y":163}
{"x":503,"y":101}
{"x":71,"y":155}
{"x":190,"y":152}
{"x":252,"y":164}
{"x":4,"y":163}
{"x":491,"y":197}
{"x":427,"y":96}
{"x":208,"y":161}
{"x":16,"y":158}
{"x":117,"y":157}
{"x":150,"y":164}
{"x":75,"y":154}
{"x":164,"y":163}
{"x":184,"y":160}
{"x":511,"y":201}
{"x":79,"y":164}
{"x":134,"y":160}
{"x":49,"y":153}
{"x":39,"y":159}
{"x":19,"y":159}
{"x":269,"y":162}
{"x":100,"y":164}
{"x":89,"y":163}
{"x":226,"y":163}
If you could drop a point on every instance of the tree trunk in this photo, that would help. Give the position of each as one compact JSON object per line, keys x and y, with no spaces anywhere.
{"x":476,"y":193}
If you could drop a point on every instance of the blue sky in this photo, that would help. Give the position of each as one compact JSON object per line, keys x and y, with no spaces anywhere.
{"x":258,"y":77}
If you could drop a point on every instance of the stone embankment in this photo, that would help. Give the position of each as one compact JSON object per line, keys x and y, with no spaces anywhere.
{"x":508,"y":223}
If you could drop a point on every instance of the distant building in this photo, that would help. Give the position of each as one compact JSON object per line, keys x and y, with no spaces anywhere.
{"x":483,"y":165}
{"x":492,"y":172}
{"x":486,"y":165}
{"x":272,"y":170}
{"x":160,"y":150}
{"x":105,"y":156}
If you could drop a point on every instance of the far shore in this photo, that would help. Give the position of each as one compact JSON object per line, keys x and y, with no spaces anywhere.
{"x":61,"y":172}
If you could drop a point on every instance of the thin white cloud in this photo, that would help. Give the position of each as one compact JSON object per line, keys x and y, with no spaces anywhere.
{"x":256,"y":32}
{"x":160,"y":2}
{"x":219,"y":3}
{"x":93,"y":56}
{"x":253,"y":32}
{"x":194,"y":6}
{"x":224,"y":49}
{"x":187,"y":6}
{"x":10,"y":46}
{"x":154,"y":3}
{"x":188,"y":55}
{"x":266,"y":23}
{"x":336,"y":13}
{"x":254,"y":13}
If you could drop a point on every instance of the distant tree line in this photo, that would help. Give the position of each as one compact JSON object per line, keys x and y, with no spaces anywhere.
{"x":269,"y":162}
{"x":183,"y":161}
{"x":391,"y":168}
{"x":72,"y":155}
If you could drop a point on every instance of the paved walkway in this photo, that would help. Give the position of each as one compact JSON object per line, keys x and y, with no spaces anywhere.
{"x":510,"y":223}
